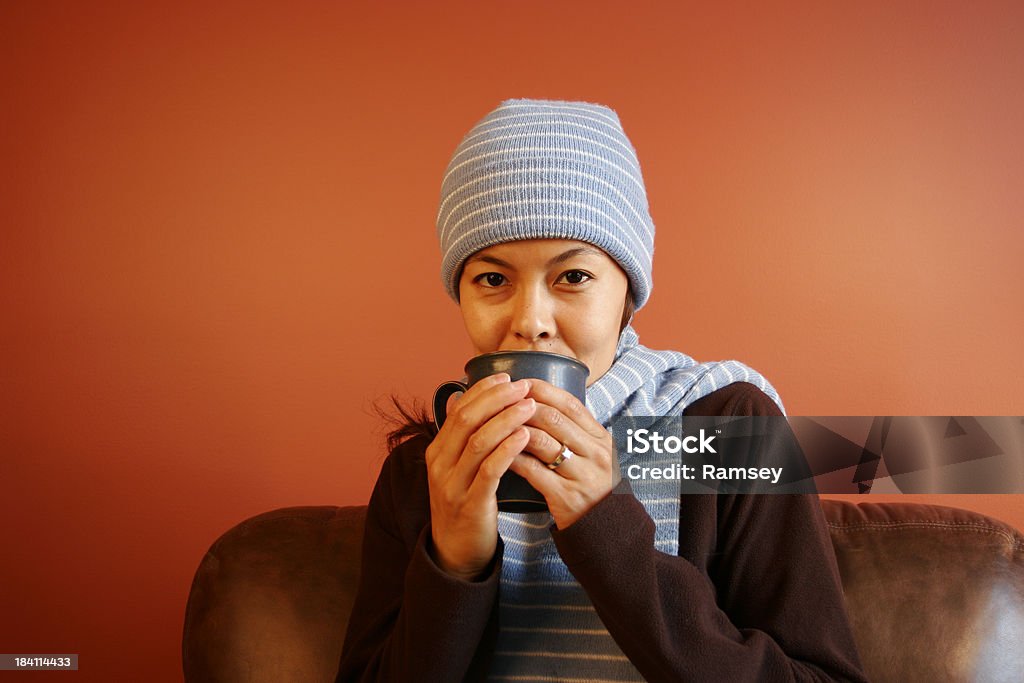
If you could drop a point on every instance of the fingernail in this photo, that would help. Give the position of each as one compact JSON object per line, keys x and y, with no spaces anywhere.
{"x":502,"y":377}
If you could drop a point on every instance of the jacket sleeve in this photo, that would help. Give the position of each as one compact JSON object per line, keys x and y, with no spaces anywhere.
{"x":411,"y":621}
{"x":767,"y":605}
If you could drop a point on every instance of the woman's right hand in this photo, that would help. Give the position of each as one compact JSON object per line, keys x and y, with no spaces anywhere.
{"x":482,"y":434}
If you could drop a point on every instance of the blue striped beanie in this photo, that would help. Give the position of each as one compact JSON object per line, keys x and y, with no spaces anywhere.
{"x":539,"y":169}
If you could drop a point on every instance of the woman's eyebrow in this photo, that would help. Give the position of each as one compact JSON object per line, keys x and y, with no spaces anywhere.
{"x":489,"y":259}
{"x":578,"y":251}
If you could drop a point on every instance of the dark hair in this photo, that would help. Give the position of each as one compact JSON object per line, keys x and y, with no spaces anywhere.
{"x":628,"y":309}
{"x":406,"y":421}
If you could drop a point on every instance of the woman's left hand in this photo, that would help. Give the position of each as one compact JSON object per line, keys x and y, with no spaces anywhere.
{"x":590,"y":472}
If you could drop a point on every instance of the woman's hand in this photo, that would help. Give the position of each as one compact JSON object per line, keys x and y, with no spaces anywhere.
{"x":483,"y":432}
{"x":579,"y":482}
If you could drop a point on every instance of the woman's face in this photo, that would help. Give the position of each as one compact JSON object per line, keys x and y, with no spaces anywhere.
{"x":561,"y":296}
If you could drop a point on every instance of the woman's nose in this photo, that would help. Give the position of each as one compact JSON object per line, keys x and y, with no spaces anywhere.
{"x":532,"y":318}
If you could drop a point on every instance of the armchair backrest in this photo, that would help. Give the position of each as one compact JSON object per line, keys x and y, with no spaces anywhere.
{"x":934,"y":594}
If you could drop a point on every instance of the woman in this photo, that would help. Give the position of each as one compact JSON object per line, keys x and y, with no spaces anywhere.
{"x":547,"y":244}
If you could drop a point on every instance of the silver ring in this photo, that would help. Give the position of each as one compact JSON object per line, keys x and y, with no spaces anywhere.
{"x":564,"y":455}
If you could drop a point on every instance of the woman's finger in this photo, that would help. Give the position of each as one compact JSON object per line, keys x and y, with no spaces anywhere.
{"x":484,"y":486}
{"x":546,"y":481}
{"x":489,"y":437}
{"x":568,"y":405}
{"x":478,"y":404}
{"x":553,"y":430}
{"x":545,"y":447}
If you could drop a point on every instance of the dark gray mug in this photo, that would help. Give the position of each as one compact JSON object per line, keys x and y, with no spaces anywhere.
{"x":515,"y":493}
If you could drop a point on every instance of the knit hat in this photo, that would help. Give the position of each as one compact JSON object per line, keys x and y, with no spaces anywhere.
{"x":538,"y":169}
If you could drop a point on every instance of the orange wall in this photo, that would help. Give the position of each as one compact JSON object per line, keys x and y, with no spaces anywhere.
{"x":218,"y":247}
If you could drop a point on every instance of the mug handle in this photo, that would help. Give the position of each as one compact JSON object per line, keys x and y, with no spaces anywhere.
{"x":441,"y":395}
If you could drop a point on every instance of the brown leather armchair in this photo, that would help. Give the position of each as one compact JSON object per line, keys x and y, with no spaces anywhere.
{"x":934,"y":594}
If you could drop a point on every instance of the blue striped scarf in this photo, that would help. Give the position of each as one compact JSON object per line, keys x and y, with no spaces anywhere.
{"x":549,"y":628}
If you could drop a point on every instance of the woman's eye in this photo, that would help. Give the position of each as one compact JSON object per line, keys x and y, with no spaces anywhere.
{"x":491,"y":279}
{"x":575,"y":277}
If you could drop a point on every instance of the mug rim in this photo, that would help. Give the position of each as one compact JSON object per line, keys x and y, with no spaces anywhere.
{"x":513,"y":352}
